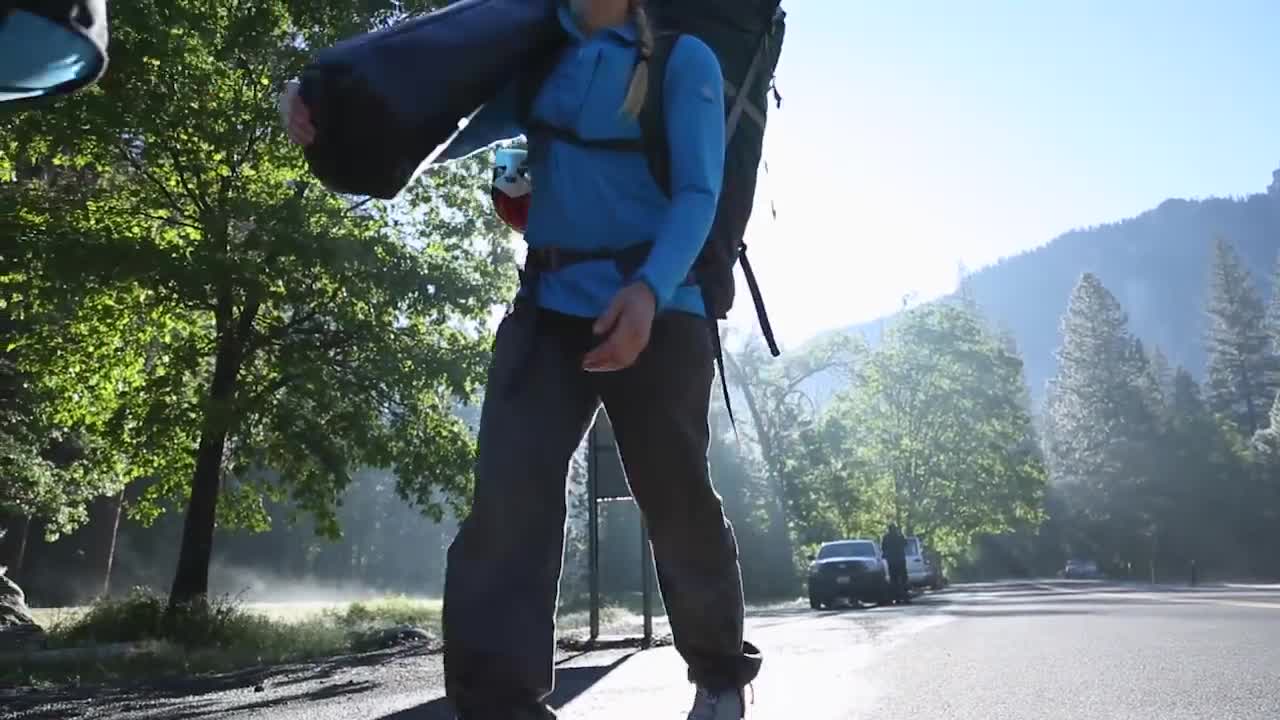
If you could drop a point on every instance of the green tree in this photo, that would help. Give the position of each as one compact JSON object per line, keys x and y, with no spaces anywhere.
{"x":781,"y":422}
{"x":1272,"y":319}
{"x":1240,"y":363}
{"x":221,"y":316}
{"x":741,"y":481}
{"x":1162,"y":373}
{"x":940,"y":431}
{"x":838,"y":493}
{"x":1267,"y":440}
{"x":48,"y":472}
{"x":1261,"y":499}
{"x":1202,"y":489}
{"x":1101,"y":427}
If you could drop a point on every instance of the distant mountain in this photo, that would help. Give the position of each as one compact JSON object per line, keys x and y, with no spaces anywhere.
{"x":1156,"y":264}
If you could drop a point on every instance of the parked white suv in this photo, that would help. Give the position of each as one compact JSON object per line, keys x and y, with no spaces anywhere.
{"x":917,"y":569}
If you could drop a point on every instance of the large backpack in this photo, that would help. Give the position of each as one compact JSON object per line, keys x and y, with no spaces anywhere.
{"x":45,"y":32}
{"x":746,"y":36}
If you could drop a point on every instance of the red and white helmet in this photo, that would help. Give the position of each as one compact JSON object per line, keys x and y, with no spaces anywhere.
{"x":512,"y":190}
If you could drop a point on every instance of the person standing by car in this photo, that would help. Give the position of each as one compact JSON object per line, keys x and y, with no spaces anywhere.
{"x":894,"y":545}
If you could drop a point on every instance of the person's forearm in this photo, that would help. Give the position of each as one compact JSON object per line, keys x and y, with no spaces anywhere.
{"x":694,"y":112}
{"x":680,"y":238}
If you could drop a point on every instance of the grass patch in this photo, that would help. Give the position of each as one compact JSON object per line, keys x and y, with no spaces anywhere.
{"x":618,"y":604}
{"x":227,"y":635}
{"x":220,"y":636}
{"x":52,"y":617}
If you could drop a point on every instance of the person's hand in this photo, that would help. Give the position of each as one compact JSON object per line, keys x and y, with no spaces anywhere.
{"x":627,"y":322}
{"x":297,"y":119}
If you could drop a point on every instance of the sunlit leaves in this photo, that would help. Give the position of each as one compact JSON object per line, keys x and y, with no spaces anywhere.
{"x":163,"y":215}
{"x":935,"y":432}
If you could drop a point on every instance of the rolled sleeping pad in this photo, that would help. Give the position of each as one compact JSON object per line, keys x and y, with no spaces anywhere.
{"x":50,"y":48}
{"x":382,"y":102}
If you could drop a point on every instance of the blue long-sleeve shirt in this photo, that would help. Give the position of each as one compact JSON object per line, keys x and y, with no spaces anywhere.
{"x":588,"y":199}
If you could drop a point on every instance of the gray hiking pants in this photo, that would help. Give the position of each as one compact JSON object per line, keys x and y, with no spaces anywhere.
{"x":503,"y":574}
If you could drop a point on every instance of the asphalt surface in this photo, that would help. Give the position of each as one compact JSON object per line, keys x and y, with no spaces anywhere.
{"x":1042,"y":651}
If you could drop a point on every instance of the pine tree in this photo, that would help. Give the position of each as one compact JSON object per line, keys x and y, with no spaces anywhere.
{"x":1265,"y":496}
{"x":1102,"y":432}
{"x":1093,"y":378}
{"x":1240,"y":358}
{"x":1266,"y":443}
{"x":1200,"y":483}
{"x":1148,"y":381}
{"x":1273,"y":310}
{"x":1272,"y":324}
{"x":1162,"y":372}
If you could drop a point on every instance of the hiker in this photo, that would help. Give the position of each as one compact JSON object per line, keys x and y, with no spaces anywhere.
{"x":608,"y":312}
{"x":894,"y":546}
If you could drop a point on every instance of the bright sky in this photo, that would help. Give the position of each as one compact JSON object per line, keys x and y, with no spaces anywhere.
{"x":917,"y":135}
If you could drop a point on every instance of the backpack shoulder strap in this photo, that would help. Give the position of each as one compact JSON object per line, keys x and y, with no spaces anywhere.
{"x":653,"y":118}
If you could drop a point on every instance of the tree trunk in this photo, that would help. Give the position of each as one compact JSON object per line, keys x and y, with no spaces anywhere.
{"x":191,"y":581}
{"x":13,"y":550}
{"x":106,"y":522}
{"x":779,"y":530}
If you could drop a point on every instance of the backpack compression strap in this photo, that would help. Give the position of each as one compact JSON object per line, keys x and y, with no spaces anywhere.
{"x":742,"y":105}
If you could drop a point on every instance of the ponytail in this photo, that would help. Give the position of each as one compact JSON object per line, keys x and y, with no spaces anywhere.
{"x":639,"y":86}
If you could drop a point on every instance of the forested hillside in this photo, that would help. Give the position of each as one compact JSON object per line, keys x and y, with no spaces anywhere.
{"x":1156,"y":264}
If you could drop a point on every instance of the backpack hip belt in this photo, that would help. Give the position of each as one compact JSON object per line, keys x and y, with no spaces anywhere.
{"x":551,"y":259}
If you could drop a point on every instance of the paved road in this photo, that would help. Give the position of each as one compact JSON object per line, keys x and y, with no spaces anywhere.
{"x":996,"y":652}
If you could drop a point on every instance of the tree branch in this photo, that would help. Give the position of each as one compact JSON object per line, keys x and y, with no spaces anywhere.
{"x":356,"y":206}
{"x":168,"y":221}
{"x":187,"y":187}
{"x":138,"y":167}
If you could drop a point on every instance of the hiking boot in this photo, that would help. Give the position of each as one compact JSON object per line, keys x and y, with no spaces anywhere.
{"x":709,"y":705}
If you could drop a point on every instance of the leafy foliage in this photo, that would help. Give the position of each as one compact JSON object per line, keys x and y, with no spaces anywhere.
{"x":181,"y":309}
{"x":48,"y":471}
{"x":939,"y":432}
{"x":205,"y":314}
{"x":785,"y":429}
{"x":934,"y":432}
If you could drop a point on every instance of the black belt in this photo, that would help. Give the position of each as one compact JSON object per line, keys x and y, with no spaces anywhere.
{"x":551,"y":259}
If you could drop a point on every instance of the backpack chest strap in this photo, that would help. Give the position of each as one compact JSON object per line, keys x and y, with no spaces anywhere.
{"x":541,"y":129}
